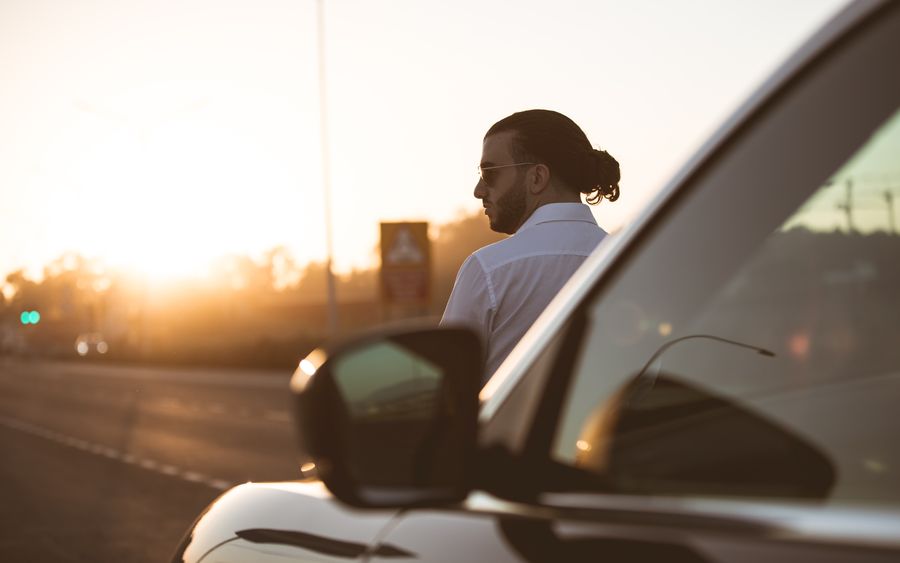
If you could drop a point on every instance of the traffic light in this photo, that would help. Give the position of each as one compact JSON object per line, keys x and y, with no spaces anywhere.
{"x":30,"y":317}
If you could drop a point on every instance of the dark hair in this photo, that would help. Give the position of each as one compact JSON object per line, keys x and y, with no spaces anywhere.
{"x":553,"y":139}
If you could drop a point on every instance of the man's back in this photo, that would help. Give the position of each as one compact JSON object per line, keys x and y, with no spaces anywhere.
{"x":535,"y":167}
{"x":502,"y":288}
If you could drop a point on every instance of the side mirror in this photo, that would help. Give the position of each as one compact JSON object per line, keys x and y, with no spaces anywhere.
{"x":390,"y":419}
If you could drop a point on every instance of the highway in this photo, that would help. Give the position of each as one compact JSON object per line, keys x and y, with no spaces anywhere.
{"x":113,"y":463}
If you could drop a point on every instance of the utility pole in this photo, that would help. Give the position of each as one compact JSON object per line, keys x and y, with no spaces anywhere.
{"x":333,"y":324}
{"x":889,"y":199}
{"x":847,"y":206}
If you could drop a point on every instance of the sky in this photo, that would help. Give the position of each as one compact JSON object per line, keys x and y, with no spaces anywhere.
{"x":159,"y":135}
{"x":871,"y":180}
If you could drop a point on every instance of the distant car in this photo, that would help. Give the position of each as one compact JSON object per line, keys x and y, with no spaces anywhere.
{"x":719,"y":382}
{"x":90,"y":344}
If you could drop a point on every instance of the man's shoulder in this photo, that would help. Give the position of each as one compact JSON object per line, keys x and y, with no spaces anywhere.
{"x":578,"y":239}
{"x":494,"y":253}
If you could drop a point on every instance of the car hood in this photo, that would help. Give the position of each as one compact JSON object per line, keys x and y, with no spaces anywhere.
{"x":292,"y":516}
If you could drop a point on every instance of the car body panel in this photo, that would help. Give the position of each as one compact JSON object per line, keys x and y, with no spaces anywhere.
{"x":615,"y":534}
{"x":259,"y":521}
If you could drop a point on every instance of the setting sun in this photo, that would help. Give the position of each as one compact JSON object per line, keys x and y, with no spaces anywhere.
{"x":166,"y":196}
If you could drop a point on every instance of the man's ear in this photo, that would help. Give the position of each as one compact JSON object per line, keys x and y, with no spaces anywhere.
{"x":539,"y":179}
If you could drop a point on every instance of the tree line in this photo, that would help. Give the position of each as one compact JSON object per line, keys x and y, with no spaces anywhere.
{"x":266,"y":312}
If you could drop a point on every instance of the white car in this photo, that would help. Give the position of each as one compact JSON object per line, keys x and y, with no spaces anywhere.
{"x":718,"y":382}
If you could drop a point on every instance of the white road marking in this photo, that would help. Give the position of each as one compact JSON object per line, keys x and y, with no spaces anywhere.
{"x":148,"y":464}
{"x":112,"y":453}
{"x":193,"y":476}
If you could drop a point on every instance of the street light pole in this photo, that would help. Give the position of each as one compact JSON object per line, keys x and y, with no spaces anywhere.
{"x":326,"y":172}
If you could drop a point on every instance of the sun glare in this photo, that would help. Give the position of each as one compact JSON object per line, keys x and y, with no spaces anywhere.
{"x":165,"y":201}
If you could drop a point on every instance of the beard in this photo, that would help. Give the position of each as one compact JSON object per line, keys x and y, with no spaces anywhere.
{"x":510,"y":210}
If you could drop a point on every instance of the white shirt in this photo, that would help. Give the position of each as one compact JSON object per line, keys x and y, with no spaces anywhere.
{"x":502,"y":288}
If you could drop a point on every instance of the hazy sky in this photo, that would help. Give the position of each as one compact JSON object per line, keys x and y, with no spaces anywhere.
{"x":158,"y":135}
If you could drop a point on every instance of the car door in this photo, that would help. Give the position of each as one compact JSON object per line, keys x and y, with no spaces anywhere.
{"x":728,"y":390}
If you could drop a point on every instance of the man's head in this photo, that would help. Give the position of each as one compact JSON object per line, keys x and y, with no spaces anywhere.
{"x":536,"y":157}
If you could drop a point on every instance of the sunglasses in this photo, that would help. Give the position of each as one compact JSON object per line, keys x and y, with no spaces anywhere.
{"x":488,"y":173}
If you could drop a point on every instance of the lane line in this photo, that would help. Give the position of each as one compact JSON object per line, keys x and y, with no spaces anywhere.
{"x":147,"y":463}
{"x":193,"y":476}
{"x":114,"y":454}
{"x":218,"y":484}
{"x":169,"y":470}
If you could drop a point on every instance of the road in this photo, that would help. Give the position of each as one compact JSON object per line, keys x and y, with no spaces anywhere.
{"x":113,"y":463}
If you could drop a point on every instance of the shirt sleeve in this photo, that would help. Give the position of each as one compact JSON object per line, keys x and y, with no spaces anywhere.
{"x":472,"y":301}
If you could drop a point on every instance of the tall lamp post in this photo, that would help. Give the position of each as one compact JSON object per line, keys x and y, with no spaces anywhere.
{"x":326,"y":172}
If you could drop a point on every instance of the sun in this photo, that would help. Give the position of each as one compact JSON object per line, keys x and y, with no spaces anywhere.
{"x":166,"y":202}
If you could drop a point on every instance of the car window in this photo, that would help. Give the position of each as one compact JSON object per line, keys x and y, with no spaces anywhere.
{"x":785,"y":380}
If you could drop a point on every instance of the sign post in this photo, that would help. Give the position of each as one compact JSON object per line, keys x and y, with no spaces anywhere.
{"x":405,"y":269}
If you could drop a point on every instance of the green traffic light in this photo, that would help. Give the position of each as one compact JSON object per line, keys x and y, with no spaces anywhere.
{"x":30,"y":317}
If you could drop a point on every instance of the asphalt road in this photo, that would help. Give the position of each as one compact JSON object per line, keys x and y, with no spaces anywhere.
{"x":113,"y":463}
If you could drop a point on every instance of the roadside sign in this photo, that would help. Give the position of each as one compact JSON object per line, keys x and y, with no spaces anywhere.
{"x":405,"y":263}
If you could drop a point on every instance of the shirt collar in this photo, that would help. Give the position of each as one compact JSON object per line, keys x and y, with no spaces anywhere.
{"x":550,"y":212}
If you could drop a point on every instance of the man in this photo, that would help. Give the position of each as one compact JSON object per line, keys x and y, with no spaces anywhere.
{"x":534,"y":167}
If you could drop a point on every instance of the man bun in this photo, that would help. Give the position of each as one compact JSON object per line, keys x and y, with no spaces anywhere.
{"x":603,"y":177}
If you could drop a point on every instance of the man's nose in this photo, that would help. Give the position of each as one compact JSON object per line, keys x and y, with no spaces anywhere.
{"x":480,"y":190}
